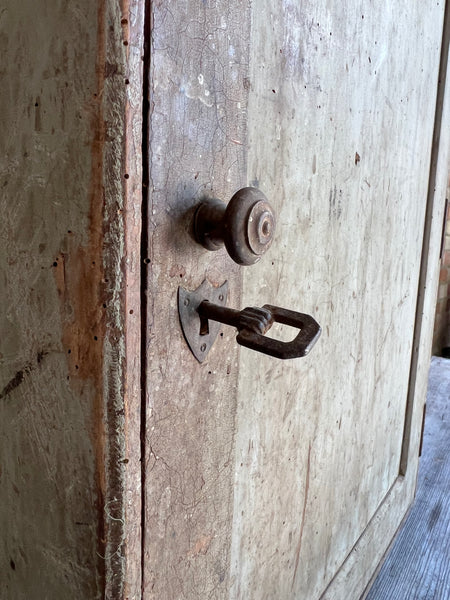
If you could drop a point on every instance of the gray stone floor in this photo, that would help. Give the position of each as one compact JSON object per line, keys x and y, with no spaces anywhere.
{"x":418,"y":565}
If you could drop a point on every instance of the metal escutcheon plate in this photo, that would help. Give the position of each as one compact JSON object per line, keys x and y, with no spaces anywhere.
{"x":188,"y":302}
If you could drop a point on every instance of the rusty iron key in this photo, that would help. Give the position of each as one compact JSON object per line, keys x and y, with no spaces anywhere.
{"x":202,"y":311}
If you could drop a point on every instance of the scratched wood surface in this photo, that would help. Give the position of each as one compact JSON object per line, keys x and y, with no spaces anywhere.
{"x":340,"y":151}
{"x":198,"y":94}
{"x":261,"y":477}
{"x":71,"y":113}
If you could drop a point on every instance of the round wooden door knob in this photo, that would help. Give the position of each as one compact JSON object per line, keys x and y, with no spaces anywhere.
{"x":246,"y":225}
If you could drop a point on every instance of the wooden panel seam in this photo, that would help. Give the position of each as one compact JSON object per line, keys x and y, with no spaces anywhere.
{"x":122,"y":189}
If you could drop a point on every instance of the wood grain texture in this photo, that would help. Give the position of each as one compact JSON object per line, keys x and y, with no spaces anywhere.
{"x":198,"y":99}
{"x":68,"y":392}
{"x":418,"y":564}
{"x":427,"y":294}
{"x":51,"y":270}
{"x":337,"y":123}
{"x":376,"y":540}
{"x":130,"y":14}
{"x":337,"y":117}
{"x":122,"y":183}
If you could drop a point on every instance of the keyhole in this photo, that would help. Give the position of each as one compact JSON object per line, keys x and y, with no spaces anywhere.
{"x":204,"y":326}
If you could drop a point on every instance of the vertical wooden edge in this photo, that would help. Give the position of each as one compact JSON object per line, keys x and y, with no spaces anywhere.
{"x":133,"y":226}
{"x":422,"y":429}
{"x":122,"y":188}
{"x":429,"y":269}
{"x":444,"y":226}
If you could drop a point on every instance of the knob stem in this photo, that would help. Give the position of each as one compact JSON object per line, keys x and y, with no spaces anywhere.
{"x":209,"y":224}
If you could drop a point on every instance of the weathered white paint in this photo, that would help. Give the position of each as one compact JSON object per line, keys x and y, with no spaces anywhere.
{"x":297,"y":494}
{"x":340,"y":126}
{"x":198,"y":145}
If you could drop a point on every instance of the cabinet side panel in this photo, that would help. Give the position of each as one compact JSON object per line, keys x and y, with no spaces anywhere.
{"x":68,"y":274}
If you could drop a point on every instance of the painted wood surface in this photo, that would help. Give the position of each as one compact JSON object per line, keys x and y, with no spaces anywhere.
{"x":198,"y":98}
{"x":71,"y":113}
{"x":341,"y":150}
{"x":276,"y":500}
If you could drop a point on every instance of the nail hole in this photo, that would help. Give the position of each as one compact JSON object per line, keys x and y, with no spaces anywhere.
{"x":126,"y":176}
{"x":131,"y":311}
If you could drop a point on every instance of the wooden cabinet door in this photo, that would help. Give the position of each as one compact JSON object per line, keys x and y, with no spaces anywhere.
{"x":270,"y":479}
